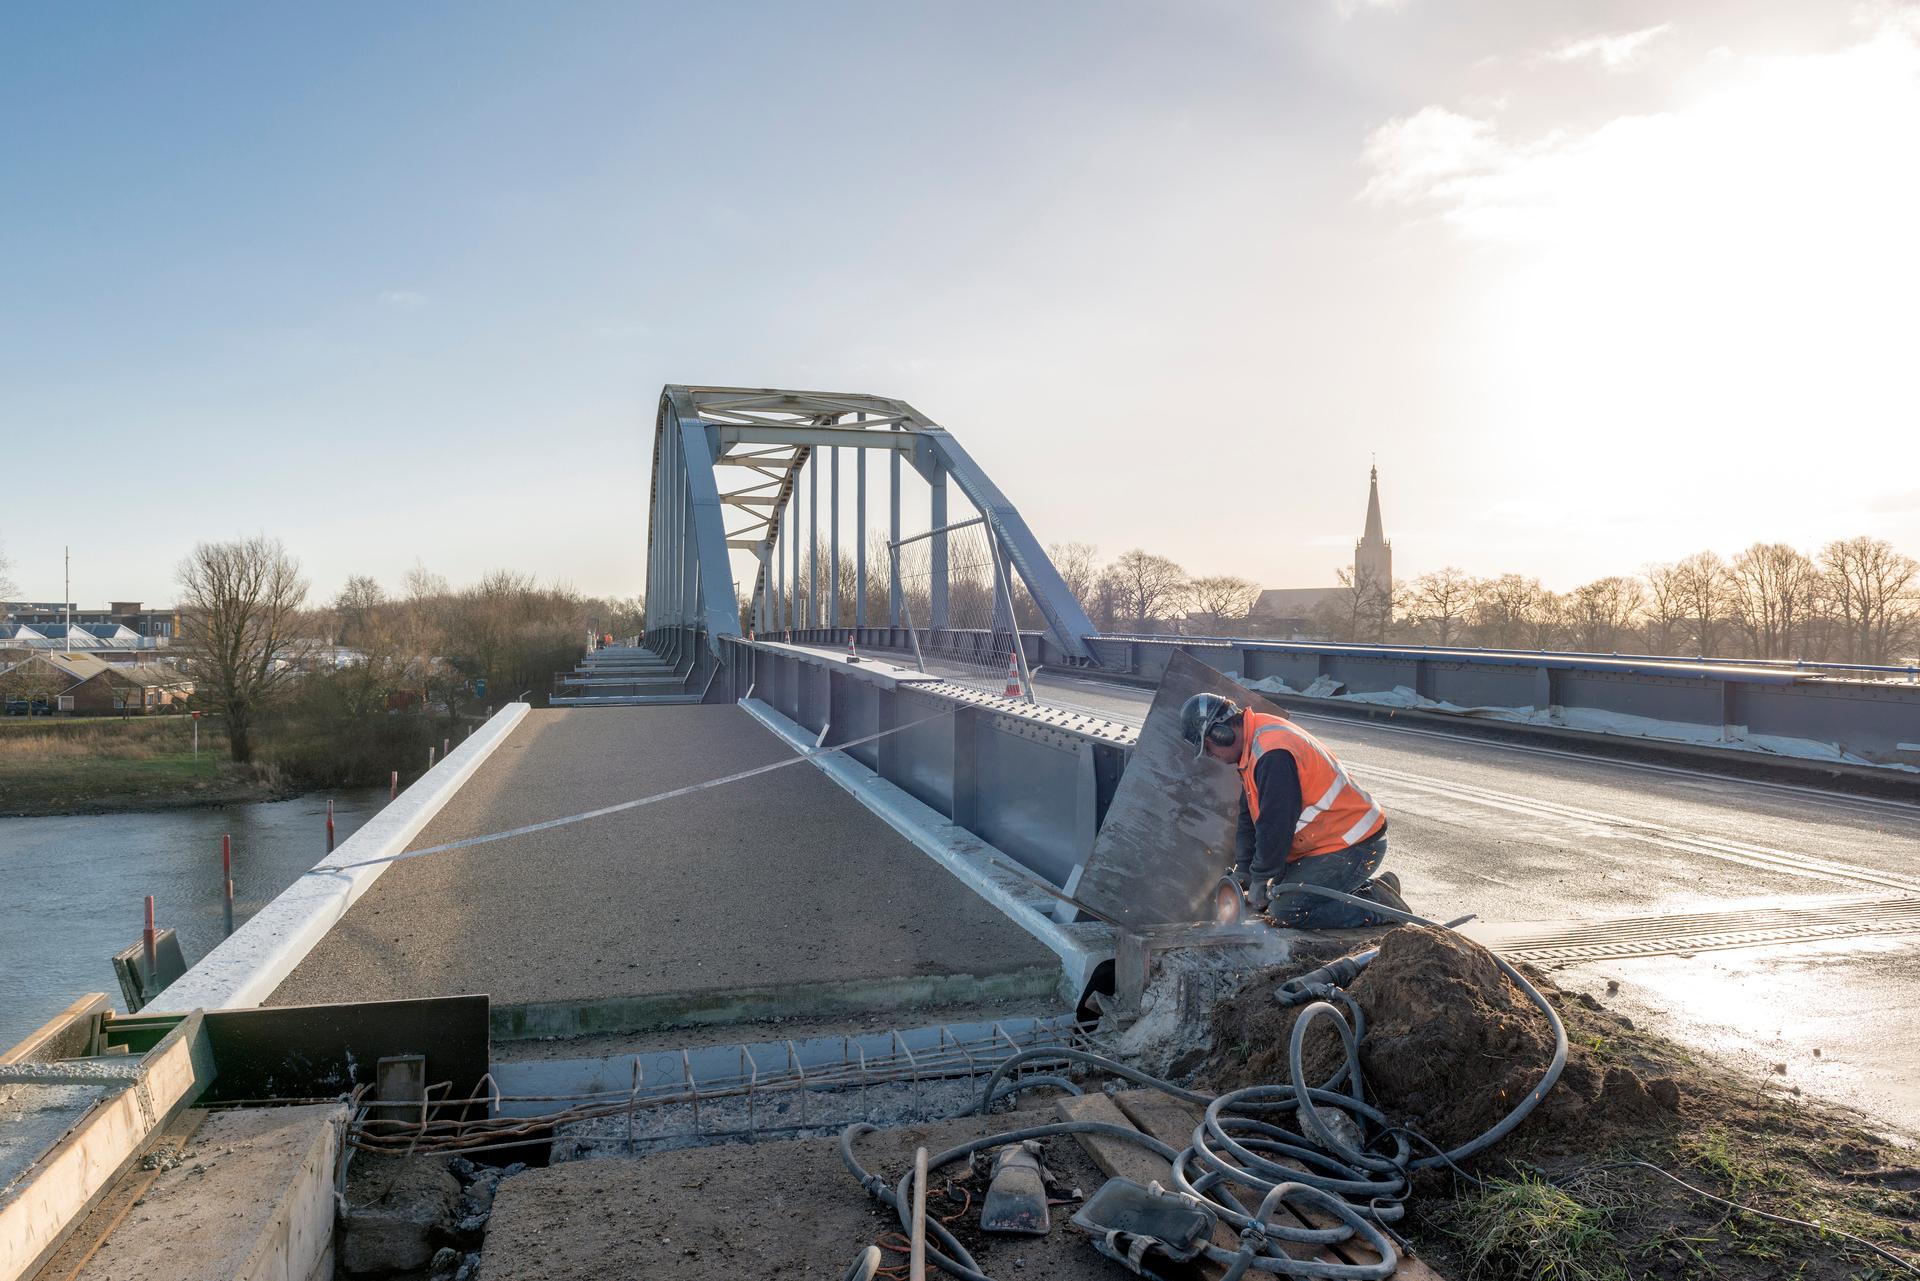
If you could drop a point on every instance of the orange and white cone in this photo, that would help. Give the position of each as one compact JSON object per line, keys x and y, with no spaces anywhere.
{"x":1013,"y":676}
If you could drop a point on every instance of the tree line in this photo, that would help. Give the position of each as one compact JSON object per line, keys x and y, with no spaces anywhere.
{"x":307,"y":682}
{"x":1856,"y":600}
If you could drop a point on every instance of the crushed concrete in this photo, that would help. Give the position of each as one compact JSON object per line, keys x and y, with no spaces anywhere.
{"x":397,"y":1214}
{"x":1451,"y":1045}
{"x":781,"y":1209}
{"x":1171,"y":1036}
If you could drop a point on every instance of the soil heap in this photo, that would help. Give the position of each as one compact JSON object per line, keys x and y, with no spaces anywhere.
{"x":1451,"y":1045}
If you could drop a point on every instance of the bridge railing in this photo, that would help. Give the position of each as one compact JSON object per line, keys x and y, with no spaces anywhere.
{"x":1035,"y":783}
{"x":1795,"y":711}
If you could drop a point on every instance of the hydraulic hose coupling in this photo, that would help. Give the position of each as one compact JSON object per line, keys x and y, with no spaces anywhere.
{"x":1318,"y":984}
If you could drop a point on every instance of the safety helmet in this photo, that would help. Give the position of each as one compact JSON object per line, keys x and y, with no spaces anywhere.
{"x":1201,"y":718}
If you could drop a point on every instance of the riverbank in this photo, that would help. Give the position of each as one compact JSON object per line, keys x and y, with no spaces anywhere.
{"x":109,"y":765}
{"x":61,"y":765}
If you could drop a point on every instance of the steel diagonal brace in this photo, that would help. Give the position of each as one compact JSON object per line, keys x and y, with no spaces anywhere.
{"x":715,"y":588}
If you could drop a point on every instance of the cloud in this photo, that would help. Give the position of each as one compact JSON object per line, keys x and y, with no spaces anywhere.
{"x":1784,"y":146}
{"x":402,"y":300}
{"x":1619,"y":52}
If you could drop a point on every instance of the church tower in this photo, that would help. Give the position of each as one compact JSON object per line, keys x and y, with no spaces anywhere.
{"x":1373,"y":554}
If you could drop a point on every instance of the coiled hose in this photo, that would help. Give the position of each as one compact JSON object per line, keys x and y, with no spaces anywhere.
{"x":1354,"y":1163}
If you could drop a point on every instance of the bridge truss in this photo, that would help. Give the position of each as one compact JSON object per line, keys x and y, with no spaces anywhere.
{"x":738,"y":470}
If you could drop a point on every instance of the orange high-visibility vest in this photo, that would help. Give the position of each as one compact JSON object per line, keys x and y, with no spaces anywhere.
{"x":1334,"y":812}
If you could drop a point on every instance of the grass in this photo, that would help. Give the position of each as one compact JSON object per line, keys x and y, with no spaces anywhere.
{"x":52,"y":765}
{"x":1525,"y":1227}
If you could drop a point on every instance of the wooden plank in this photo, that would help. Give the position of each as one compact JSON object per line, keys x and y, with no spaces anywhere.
{"x":39,"y":1209}
{"x":1119,"y":1159}
{"x":1172,"y":1122}
{"x":67,"y":1035}
{"x":1116,"y":1158}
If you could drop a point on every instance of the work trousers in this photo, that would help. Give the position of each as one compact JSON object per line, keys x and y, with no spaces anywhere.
{"x":1349,"y":870}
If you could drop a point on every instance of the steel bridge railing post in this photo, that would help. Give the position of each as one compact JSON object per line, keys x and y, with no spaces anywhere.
{"x":833,"y":537}
{"x":893,"y":536}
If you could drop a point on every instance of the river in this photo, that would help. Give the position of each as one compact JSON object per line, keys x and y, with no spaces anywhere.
{"x":72,"y":888}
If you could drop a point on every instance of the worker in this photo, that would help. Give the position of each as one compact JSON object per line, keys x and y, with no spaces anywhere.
{"x":1302,"y":820}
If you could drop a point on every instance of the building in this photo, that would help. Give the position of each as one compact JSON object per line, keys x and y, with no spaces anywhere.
{"x":87,"y":684}
{"x":1373,"y":554}
{"x":1290,"y":611}
{"x":158,"y":626}
{"x":128,"y":689}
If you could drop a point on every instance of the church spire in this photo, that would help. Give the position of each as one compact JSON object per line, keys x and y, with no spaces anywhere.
{"x":1376,"y":532}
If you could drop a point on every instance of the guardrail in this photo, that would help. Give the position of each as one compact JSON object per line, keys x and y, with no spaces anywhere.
{"x":1769,"y":705}
{"x":1034,"y":782}
{"x":1909,"y":672}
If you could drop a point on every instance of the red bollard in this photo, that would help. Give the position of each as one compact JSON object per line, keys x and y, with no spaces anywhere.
{"x":226,"y":875}
{"x":146,"y":940}
{"x":393,"y":785}
{"x":329,"y":827}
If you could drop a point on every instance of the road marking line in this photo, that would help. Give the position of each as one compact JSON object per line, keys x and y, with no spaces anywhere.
{"x":1756,"y":856}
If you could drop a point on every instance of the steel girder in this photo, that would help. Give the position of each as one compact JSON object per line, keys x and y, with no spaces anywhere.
{"x":726,"y":467}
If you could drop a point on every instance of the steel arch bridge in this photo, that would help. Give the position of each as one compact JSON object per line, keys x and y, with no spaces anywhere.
{"x":729,"y":468}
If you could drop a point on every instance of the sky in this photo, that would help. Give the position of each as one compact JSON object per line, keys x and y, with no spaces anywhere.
{"x":1598,"y":284}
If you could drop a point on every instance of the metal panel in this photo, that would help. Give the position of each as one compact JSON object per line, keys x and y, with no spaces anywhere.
{"x":312,"y":1051}
{"x":1169,"y":833}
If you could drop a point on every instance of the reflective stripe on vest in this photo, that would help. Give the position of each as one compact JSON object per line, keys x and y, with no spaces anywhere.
{"x":1335,"y":812}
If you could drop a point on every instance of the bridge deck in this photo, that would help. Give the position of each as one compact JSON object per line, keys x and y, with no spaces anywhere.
{"x":778,"y":892}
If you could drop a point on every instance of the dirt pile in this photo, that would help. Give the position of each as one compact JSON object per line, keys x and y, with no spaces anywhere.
{"x":1451,"y":1045}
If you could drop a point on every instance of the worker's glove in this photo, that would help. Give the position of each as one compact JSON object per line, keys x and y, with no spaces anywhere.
{"x":1257,"y":898}
{"x":1243,"y":879}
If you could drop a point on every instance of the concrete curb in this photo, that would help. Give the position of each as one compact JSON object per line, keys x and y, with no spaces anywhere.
{"x":1080,"y":947}
{"x":245,"y":969}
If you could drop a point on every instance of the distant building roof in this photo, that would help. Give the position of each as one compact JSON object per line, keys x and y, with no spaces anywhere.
{"x":73,"y":668}
{"x":149,"y":675}
{"x":1292,"y":602}
{"x":109,"y":631}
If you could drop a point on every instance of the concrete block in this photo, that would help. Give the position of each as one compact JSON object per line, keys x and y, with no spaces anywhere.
{"x":251,"y":1200}
{"x":397,"y":1216}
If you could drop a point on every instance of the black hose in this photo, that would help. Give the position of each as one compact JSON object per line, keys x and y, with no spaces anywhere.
{"x":1360,"y":1179}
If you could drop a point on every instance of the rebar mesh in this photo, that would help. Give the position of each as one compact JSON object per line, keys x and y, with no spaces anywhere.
{"x":774,"y":1090}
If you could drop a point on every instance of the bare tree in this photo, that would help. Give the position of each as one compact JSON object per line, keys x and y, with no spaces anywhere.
{"x":1706,"y":593}
{"x":1146,"y":586}
{"x":1665,"y":609}
{"x":1547,"y":621}
{"x":238,"y":607}
{"x":1221,"y":599}
{"x":1503,"y":610}
{"x":1441,"y":603}
{"x":1600,"y":612}
{"x":355,"y":608}
{"x":1360,"y":611}
{"x":7,"y":587}
{"x":1872,"y":590}
{"x":1079,"y":568}
{"x":1772,"y":596}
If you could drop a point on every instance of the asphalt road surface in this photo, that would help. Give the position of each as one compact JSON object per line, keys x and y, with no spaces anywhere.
{"x":1523,"y":834}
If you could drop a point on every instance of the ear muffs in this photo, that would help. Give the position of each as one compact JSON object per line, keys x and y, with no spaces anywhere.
{"x":1220,"y":732}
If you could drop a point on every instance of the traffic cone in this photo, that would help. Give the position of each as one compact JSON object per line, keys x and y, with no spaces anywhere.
{"x":1013,"y":676}
{"x":851,"y":651}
